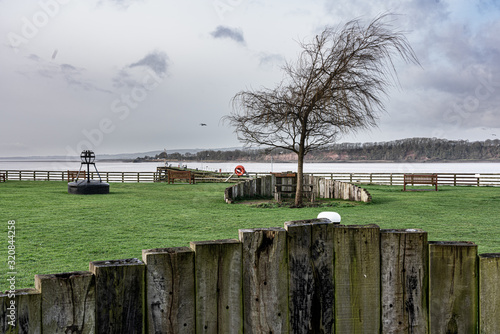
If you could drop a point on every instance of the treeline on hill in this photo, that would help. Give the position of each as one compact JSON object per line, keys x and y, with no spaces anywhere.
{"x":411,"y":149}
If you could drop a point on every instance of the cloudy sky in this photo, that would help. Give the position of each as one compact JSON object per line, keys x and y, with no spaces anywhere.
{"x":119,"y":76}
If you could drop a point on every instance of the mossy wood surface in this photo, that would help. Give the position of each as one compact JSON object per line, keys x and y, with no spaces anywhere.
{"x":489,"y":293}
{"x":27,"y":312}
{"x":310,"y":258}
{"x":357,"y":279}
{"x":119,"y":296}
{"x":453,"y":287}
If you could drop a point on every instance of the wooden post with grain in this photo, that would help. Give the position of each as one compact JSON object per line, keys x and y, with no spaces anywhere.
{"x":119,"y":296}
{"x":489,"y":293}
{"x":218,"y":285}
{"x":27,"y":312}
{"x":357,"y":279}
{"x":310,"y":258}
{"x":265,"y":280}
{"x":404,"y":275}
{"x":68,"y":303}
{"x":453,"y":287}
{"x":170,"y":296}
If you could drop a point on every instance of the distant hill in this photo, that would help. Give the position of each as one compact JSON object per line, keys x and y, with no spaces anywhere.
{"x":118,"y":156}
{"x":407,"y":150}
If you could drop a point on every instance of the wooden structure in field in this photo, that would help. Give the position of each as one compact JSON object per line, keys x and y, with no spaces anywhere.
{"x":286,"y":187}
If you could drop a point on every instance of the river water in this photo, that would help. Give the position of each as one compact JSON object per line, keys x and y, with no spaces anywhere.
{"x":253,"y":167}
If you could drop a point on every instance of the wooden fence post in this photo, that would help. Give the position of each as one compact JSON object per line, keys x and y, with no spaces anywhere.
{"x":322,"y":254}
{"x":218,"y":281}
{"x":119,"y":296}
{"x":301,"y":279}
{"x":357,"y":279}
{"x":453,"y":287}
{"x":489,"y":293}
{"x":170,"y":296}
{"x":310,"y":259}
{"x":68,"y":302}
{"x":265,"y":280}
{"x":404,"y":274}
{"x":23,"y":310}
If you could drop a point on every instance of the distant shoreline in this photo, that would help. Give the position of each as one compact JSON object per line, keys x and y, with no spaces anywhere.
{"x":314,"y":161}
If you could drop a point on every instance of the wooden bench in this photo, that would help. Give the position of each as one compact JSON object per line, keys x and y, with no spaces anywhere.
{"x":73,"y":174}
{"x":413,"y":179}
{"x":2,"y":177}
{"x":180,"y":175}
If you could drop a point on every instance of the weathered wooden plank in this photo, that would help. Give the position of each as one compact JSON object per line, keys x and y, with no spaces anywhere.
{"x":265,"y":280}
{"x":119,"y":296}
{"x":301,"y":277}
{"x":404,"y":274}
{"x":170,"y":296}
{"x":218,"y":281}
{"x":453,"y":287}
{"x":20,"y":312}
{"x":68,"y":302}
{"x":357,"y":278}
{"x":322,"y":255}
{"x":489,"y":293}
{"x":310,"y":258}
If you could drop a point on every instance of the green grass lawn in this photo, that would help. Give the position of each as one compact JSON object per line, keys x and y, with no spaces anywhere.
{"x":58,"y":232}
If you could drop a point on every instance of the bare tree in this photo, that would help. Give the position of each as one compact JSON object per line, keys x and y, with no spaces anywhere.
{"x":336,"y":86}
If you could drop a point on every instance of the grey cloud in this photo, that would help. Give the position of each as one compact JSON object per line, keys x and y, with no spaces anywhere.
{"x":34,"y":57}
{"x":72,"y":75}
{"x":69,"y":68}
{"x":124,"y":4}
{"x":124,"y":79}
{"x":409,"y":14}
{"x":487,"y":5}
{"x":269,"y":61}
{"x":231,"y":33}
{"x":156,"y":61}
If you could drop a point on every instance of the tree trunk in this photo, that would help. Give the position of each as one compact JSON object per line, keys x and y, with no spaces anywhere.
{"x":300,"y":177}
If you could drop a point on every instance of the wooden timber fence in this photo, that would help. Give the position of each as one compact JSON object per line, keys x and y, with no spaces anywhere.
{"x":264,"y":186}
{"x":453,"y":179}
{"x":311,"y":276}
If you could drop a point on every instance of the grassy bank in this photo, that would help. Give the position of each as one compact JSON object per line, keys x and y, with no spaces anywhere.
{"x":57,"y":232}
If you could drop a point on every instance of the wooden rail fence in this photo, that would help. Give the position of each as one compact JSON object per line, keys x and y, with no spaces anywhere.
{"x":311,"y":276}
{"x":453,"y":179}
